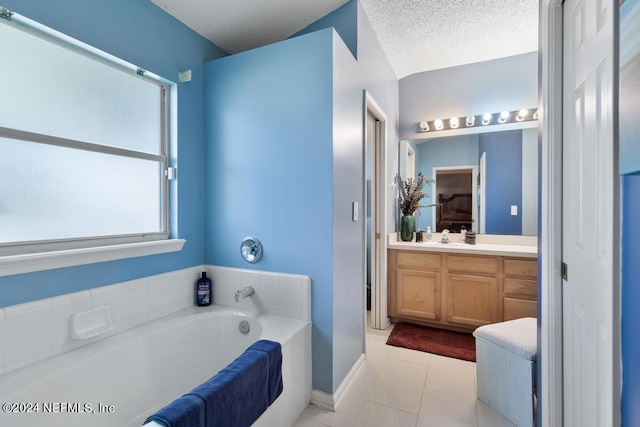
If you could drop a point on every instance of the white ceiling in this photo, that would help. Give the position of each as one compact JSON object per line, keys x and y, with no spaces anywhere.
{"x":416,"y":35}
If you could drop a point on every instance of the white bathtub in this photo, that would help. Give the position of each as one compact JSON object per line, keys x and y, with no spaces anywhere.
{"x":121,"y":380}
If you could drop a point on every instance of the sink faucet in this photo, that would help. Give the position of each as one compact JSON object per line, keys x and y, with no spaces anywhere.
{"x":243,"y":293}
{"x":445,"y":236}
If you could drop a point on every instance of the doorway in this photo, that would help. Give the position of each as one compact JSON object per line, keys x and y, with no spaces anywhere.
{"x":456,"y":195}
{"x":374,"y":196}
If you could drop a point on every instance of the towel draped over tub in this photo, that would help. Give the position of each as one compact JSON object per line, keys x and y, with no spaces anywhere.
{"x":235,"y":396}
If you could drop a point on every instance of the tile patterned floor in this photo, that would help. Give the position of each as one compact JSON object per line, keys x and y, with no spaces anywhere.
{"x":398,"y":387}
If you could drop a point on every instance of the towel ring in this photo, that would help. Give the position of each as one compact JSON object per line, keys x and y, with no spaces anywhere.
{"x":251,"y":249}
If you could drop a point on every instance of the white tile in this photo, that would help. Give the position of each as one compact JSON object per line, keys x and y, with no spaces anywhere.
{"x":306,"y":298}
{"x":61,"y":336}
{"x":305,"y":422}
{"x":27,"y":333}
{"x":27,"y":358}
{"x":408,"y":355}
{"x":291,"y":313}
{"x":182,"y":289}
{"x":134,"y":284}
{"x":27,"y":309}
{"x":2,"y":366}
{"x":377,"y":353}
{"x":270,"y":309}
{"x":157,"y":313}
{"x":400,"y":385}
{"x":135,"y":302}
{"x":103,"y":291}
{"x":159,"y":293}
{"x":375,"y":415}
{"x":1,"y":314}
{"x":113,"y":301}
{"x":444,"y":410}
{"x":291,"y":294}
{"x":69,"y":299}
{"x":488,"y":417}
{"x":270,"y":291}
{"x":266,"y":275}
{"x":182,"y":304}
{"x":132,"y":322}
{"x":452,"y":376}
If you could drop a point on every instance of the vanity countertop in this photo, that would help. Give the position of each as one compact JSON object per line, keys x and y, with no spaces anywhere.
{"x":493,"y":248}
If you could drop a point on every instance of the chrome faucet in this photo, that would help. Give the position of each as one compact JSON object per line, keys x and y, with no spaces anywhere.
{"x":243,"y":293}
{"x":445,"y":236}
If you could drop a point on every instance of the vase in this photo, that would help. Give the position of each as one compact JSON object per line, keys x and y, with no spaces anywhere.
{"x":407,"y":227}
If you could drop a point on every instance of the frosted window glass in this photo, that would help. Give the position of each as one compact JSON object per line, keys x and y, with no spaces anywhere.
{"x":52,"y":90}
{"x":49,"y":192}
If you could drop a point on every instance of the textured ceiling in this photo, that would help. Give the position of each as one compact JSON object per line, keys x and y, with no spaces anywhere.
{"x":416,"y":35}
{"x":423,"y":35}
{"x":239,"y":25}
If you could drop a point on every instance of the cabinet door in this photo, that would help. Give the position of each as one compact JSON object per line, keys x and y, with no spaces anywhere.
{"x":419,"y":294}
{"x":472,"y":300}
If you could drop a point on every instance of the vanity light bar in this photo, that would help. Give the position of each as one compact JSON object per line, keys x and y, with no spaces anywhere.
{"x":486,"y":119}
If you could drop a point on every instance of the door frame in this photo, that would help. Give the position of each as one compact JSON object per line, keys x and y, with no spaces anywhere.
{"x":379,"y":317}
{"x":550,"y":223}
{"x":474,"y":193}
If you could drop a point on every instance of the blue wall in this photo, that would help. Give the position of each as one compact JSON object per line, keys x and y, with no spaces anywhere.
{"x":269,"y":169}
{"x":630,"y":300}
{"x":451,"y":151}
{"x":504,"y":181}
{"x":344,"y":21}
{"x":143,"y":34}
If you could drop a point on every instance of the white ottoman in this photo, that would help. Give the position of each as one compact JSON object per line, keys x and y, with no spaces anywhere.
{"x":506,"y":368}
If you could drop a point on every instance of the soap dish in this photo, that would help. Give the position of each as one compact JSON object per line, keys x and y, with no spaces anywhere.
{"x":90,"y":323}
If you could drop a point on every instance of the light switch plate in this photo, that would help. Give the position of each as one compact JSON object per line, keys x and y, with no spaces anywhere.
{"x":514,"y":210}
{"x":355,"y":211}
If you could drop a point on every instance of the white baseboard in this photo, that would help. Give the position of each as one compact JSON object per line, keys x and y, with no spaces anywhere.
{"x":332,"y":401}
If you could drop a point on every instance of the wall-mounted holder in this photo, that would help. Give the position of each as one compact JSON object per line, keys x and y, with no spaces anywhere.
{"x":251,"y":249}
{"x":90,"y":323}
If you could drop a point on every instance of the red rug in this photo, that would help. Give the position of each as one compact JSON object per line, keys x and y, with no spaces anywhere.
{"x":460,"y":345}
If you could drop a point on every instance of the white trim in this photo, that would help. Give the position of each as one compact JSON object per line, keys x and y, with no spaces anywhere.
{"x":550,"y":297}
{"x":19,"y":264}
{"x":333,"y":401}
{"x":379,"y":246}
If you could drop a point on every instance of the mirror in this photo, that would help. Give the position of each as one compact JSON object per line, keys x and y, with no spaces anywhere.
{"x":486,"y":182}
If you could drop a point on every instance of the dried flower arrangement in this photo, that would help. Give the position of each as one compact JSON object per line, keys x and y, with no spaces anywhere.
{"x":410,"y":193}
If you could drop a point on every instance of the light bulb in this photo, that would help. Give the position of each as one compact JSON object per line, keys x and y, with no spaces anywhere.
{"x":454,"y":122}
{"x":471,"y":120}
{"x":486,"y":118}
{"x":438,"y":124}
{"x":424,"y":126}
{"x":504,"y":116}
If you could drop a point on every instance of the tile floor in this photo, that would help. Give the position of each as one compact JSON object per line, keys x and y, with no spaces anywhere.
{"x":398,"y":387}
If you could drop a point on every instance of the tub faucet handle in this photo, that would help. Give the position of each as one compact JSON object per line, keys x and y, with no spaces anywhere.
{"x":243,"y":293}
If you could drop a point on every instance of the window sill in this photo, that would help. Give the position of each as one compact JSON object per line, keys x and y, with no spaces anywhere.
{"x":19,"y":264}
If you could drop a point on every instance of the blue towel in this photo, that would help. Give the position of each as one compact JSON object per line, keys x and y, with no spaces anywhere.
{"x":187,"y":411}
{"x":274,"y":350}
{"x":236,"y":396}
{"x":242,"y":391}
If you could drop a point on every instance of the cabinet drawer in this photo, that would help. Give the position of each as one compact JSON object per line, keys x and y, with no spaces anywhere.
{"x":418,"y":260}
{"x":471,"y":264}
{"x":521,"y":267}
{"x":520,"y":287}
{"x":516,"y":308}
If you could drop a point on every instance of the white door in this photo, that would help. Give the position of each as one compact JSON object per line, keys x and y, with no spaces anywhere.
{"x":589,"y":225}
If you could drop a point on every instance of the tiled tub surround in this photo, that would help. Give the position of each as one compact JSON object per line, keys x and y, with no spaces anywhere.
{"x":39,"y":330}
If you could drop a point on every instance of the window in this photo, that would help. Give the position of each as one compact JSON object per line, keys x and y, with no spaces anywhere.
{"x":83,"y":143}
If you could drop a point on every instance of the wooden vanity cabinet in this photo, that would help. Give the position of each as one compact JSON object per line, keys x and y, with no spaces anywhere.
{"x":472,"y":290}
{"x":520,"y":288}
{"x":417,"y":281}
{"x":460,"y":291}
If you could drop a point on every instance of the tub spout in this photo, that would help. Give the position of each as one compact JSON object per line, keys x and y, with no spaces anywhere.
{"x":243,"y":293}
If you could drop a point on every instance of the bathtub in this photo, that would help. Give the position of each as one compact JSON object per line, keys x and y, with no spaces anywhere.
{"x":122,"y":379}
